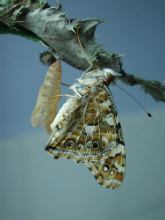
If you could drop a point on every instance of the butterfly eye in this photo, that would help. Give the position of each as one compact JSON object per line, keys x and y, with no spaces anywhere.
{"x":95,"y":145}
{"x":69,"y":144}
{"x":112,"y":171}
{"x":106,"y":168}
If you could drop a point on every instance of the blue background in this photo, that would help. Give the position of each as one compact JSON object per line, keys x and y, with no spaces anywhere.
{"x":33,"y":185}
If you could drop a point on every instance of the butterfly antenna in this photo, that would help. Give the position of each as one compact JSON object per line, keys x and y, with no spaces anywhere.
{"x":92,"y":63}
{"x":149,"y":115}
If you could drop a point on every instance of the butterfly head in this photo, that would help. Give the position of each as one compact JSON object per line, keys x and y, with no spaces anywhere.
{"x":109,"y":75}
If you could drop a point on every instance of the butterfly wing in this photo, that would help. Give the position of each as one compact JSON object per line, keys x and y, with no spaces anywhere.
{"x":66,"y":125}
{"x":110,"y":171}
{"x":88,"y":132}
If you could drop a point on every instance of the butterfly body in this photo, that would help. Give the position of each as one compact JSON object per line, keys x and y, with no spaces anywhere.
{"x":87,"y":129}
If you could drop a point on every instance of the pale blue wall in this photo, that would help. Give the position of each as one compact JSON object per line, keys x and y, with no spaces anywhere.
{"x":32,"y":184}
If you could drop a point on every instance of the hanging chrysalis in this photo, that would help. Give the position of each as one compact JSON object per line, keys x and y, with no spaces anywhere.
{"x":47,"y":103}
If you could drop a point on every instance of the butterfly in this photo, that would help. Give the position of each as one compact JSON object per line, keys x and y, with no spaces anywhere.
{"x":47,"y":102}
{"x":87,"y":129}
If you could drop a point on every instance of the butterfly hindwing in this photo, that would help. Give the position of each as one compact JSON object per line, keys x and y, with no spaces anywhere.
{"x":110,"y":171}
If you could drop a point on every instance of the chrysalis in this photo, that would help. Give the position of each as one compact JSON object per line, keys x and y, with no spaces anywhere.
{"x":47,"y":102}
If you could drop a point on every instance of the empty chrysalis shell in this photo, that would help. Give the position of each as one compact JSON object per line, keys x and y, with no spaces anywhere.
{"x":47,"y":103}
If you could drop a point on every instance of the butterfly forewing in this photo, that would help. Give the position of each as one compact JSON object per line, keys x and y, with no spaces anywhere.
{"x":89,"y":132}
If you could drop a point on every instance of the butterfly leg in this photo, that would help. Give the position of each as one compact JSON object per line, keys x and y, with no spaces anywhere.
{"x":92,"y":63}
{"x":71,"y":96}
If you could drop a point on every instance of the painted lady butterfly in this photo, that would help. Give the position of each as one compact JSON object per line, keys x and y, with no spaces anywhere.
{"x":87,"y":129}
{"x":47,"y":102}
